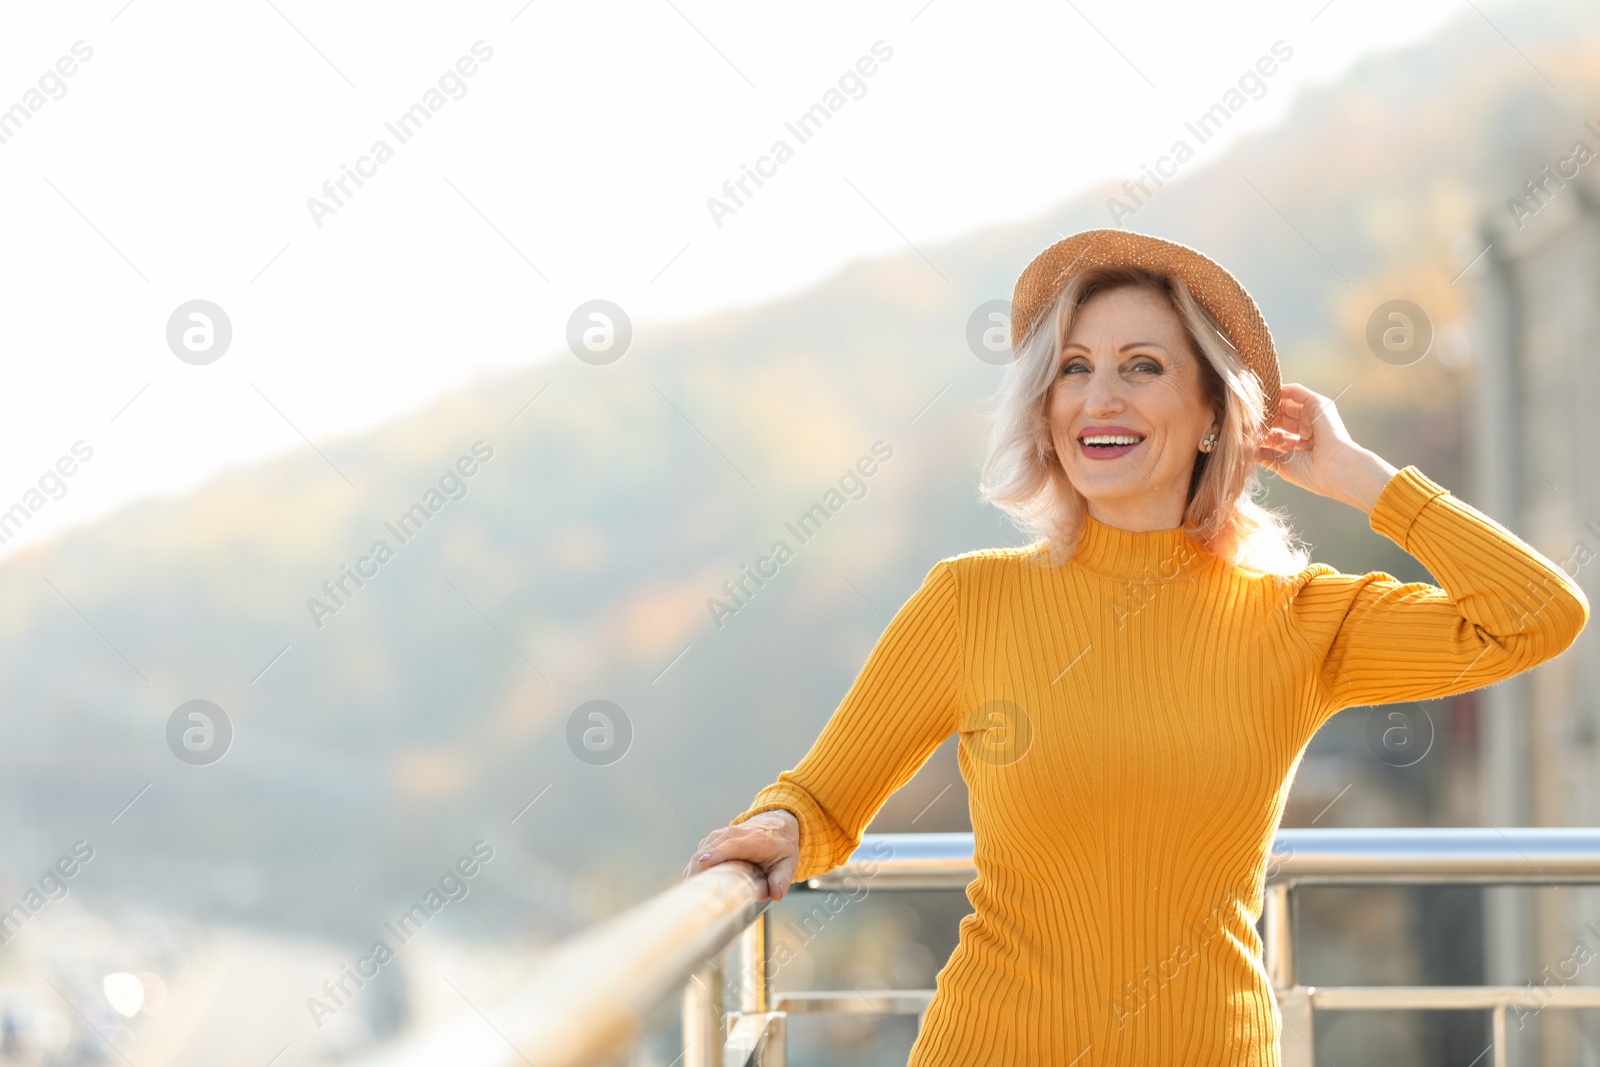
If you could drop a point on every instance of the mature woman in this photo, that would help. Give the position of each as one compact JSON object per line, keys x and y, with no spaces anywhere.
{"x":1133,"y":691}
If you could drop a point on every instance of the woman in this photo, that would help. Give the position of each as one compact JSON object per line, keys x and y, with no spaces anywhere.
{"x":1134,"y":690}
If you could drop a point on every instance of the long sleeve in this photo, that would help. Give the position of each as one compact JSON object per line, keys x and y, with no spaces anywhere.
{"x":905,"y":701}
{"x":1503,"y":608}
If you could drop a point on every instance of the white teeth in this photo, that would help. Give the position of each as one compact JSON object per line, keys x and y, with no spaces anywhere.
{"x":1110,"y":439}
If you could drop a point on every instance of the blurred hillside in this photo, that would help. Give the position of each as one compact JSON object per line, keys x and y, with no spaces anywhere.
{"x":433,"y":705}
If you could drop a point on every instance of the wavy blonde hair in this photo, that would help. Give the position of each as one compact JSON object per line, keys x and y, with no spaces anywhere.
{"x":1023,"y":476}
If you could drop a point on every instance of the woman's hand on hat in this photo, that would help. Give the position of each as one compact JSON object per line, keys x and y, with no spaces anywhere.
{"x":1308,"y":445}
{"x":768,"y":839}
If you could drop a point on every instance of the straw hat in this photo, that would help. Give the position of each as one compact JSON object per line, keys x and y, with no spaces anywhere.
{"x":1229,"y":305}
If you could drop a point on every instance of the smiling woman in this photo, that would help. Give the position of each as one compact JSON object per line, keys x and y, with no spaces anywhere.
{"x":1166,"y":656}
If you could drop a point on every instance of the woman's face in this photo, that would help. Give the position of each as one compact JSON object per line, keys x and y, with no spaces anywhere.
{"x":1127,"y":374}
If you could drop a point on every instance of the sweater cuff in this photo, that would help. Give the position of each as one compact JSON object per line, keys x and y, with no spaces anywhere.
{"x":816,"y":845}
{"x":1401,"y":501}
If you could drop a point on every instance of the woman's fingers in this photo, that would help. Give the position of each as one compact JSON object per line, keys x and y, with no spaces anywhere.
{"x":781,"y":875}
{"x":706,"y":845}
{"x":1312,"y":407}
{"x":729,"y":843}
{"x":774,"y":853}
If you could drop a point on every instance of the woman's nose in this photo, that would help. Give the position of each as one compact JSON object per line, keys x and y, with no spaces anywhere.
{"x":1103,"y":392}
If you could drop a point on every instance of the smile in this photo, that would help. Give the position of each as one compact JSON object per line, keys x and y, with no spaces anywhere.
{"x":1109,"y":445}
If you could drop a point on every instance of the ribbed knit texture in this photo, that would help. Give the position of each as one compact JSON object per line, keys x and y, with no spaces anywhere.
{"x":1130,"y":724}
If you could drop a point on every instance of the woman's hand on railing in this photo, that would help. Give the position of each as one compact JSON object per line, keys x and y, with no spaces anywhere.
{"x":770,"y":840}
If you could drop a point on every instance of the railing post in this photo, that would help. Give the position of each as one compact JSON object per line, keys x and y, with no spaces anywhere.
{"x":702,"y":1016}
{"x":778,"y":1047}
{"x":1296,"y":1044}
{"x":755,"y":993}
{"x":1279,"y":928}
{"x":756,"y":1000}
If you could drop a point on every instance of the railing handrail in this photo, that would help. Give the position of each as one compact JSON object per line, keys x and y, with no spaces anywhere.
{"x":1410,"y":855}
{"x":587,"y":1000}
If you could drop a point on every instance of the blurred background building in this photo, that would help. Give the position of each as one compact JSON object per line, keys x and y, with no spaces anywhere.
{"x":1537,"y":322}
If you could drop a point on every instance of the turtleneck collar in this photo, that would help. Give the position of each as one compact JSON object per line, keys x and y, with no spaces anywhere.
{"x":1151,"y":555}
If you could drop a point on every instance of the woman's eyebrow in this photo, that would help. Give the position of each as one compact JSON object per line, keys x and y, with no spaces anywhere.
{"x":1124,"y":348}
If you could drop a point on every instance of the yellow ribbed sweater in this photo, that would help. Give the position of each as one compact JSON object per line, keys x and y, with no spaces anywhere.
{"x":1130,"y":724}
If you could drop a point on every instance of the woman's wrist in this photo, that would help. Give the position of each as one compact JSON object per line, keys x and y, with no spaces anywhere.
{"x":1363,"y":475}
{"x":790,"y":819}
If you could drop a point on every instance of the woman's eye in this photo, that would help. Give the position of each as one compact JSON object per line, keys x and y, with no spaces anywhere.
{"x":1147,"y":366}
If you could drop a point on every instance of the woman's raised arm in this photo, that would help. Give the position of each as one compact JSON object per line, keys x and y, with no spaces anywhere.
{"x":1502,"y":608}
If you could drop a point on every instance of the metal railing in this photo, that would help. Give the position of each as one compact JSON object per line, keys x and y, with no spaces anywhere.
{"x":1325,"y":857}
{"x":588,"y":1003}
{"x":588,"y":1000}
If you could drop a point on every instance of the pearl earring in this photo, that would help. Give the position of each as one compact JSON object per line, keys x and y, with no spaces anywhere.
{"x":1209,"y":442}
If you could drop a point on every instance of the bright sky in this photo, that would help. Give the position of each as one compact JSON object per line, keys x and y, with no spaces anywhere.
{"x":574,"y":162}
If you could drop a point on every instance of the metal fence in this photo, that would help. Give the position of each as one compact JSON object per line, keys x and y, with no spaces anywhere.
{"x":589,"y":1001}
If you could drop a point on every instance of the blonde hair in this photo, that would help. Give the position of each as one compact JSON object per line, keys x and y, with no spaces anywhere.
{"x":1023,"y":476}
